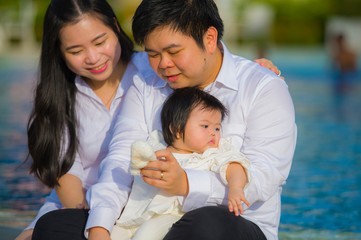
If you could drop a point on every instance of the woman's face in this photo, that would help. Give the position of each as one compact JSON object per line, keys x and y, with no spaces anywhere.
{"x":91,"y":49}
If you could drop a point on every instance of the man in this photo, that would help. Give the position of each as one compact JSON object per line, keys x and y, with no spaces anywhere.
{"x":183,"y":41}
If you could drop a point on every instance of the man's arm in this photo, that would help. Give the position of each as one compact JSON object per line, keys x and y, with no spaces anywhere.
{"x":270,"y":140}
{"x":108,"y":196}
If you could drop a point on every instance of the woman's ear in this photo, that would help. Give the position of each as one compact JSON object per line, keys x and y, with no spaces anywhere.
{"x":116,"y":24}
{"x":210,"y":39}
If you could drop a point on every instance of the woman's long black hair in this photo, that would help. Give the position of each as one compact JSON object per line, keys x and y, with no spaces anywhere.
{"x":52,"y":126}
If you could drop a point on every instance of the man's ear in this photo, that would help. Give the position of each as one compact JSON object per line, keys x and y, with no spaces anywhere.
{"x":210,"y":39}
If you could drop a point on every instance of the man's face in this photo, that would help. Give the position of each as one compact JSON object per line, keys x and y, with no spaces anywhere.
{"x":178,"y":59}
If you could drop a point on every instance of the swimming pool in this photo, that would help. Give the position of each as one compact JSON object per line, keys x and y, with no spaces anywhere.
{"x":18,"y":191}
{"x":322,"y":197}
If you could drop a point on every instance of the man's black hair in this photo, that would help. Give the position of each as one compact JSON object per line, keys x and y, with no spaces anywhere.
{"x":191,"y":17}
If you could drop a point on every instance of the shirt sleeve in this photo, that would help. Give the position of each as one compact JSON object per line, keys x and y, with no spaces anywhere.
{"x":110,"y":194}
{"x":269,"y":144}
{"x":270,"y":140}
{"x":77,"y":169}
{"x":206,"y":188}
{"x":52,"y":203}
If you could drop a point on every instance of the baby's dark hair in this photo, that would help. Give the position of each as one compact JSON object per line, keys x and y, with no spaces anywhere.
{"x":180,"y":104}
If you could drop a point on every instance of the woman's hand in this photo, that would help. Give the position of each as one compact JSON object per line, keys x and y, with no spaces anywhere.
{"x":166,"y":174}
{"x":268,"y":64}
{"x":98,"y":233}
{"x":25,"y":235}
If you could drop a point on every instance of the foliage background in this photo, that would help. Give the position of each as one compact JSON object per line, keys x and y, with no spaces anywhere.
{"x":296,"y":22}
{"x":302,"y":22}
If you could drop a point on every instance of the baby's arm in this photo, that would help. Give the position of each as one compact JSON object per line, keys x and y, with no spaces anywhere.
{"x":237,"y":179}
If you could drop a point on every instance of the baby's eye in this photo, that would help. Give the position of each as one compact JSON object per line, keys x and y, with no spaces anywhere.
{"x":204,"y":126}
{"x":218,"y":129}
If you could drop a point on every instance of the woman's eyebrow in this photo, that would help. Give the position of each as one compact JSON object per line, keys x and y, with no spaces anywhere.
{"x":95,"y":39}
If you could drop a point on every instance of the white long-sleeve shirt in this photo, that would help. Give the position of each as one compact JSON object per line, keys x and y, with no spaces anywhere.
{"x":261,"y":123}
{"x":94,"y":129}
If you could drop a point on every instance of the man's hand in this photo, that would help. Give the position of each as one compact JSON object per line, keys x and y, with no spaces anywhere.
{"x":166,"y":174}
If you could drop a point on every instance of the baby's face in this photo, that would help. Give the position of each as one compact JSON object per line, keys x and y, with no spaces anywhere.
{"x":202,"y":131}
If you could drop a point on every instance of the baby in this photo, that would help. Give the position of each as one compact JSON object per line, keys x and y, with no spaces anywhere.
{"x":191,"y":129}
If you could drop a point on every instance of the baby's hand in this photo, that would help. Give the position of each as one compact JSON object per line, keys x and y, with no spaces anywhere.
{"x":235,"y":198}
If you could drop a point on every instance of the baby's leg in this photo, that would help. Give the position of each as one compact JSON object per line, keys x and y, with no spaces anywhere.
{"x":155,"y":228}
{"x":121,"y":233}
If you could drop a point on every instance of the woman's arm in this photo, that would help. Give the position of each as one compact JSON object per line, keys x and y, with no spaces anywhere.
{"x":25,"y":235}
{"x":70,"y":192}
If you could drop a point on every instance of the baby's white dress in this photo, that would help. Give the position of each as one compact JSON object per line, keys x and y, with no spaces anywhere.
{"x":146,"y":202}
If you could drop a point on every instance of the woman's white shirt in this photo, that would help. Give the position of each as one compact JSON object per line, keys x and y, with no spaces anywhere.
{"x":94,"y":129}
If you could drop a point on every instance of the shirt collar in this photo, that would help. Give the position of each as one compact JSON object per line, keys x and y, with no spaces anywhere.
{"x":227,"y":73}
{"x":160,"y":83}
{"x":83,"y":87}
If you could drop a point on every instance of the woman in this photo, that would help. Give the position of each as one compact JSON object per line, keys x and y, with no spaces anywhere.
{"x":87,"y":64}
{"x":85,"y":69}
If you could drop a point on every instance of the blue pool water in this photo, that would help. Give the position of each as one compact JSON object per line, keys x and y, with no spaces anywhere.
{"x":20,"y":195}
{"x":322,"y":197}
